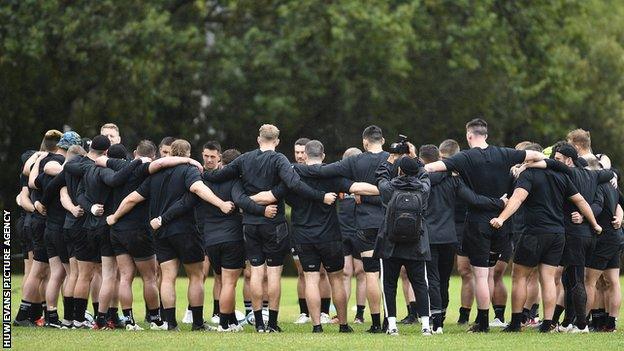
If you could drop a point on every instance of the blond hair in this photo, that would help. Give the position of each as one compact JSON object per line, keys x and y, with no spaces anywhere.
{"x":181,"y":147}
{"x":50,"y":139}
{"x":109,"y":126}
{"x":76,"y":150}
{"x":523,"y":145}
{"x":580,"y":138}
{"x":269,"y":132}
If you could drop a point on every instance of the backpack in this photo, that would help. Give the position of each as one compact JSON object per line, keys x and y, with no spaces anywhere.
{"x":404,"y":216}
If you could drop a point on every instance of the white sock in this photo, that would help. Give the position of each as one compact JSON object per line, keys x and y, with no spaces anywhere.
{"x":424,"y":321}
{"x":392,"y":323}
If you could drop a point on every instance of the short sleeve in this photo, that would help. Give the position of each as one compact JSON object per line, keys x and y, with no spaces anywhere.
{"x":342,"y":184}
{"x":515,"y":156}
{"x":142,"y":170}
{"x":457,"y":162}
{"x":570,"y":189}
{"x":525,"y":181}
{"x":144,"y":188}
{"x":192,"y":175}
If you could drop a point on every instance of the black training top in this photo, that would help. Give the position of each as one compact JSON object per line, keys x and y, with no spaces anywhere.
{"x":137,"y":217}
{"x":446,"y":190}
{"x":36,"y":194}
{"x":163,"y":189}
{"x":486,"y":171}
{"x":359,"y":168}
{"x":313,"y":221}
{"x":51,"y":199}
{"x":73,"y":184}
{"x":261,"y":171}
{"x":543,"y":207}
{"x":607,"y":199}
{"x":346,"y":215}
{"x":586,"y":181}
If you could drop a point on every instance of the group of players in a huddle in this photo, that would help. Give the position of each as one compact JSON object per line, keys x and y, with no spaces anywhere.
{"x":94,"y":215}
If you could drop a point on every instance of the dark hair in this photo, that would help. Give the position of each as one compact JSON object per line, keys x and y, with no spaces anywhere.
{"x":314,"y":149}
{"x":146,"y":148}
{"x":117,"y":151}
{"x":429,"y":153}
{"x":168,"y":140}
{"x":556,"y":147}
{"x":302,"y":141}
{"x":477,"y":126}
{"x":449,"y":147}
{"x":229,"y":155}
{"x":372,"y":134}
{"x":212,"y":145}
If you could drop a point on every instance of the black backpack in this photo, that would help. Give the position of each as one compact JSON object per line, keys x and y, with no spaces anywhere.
{"x":404,"y":216}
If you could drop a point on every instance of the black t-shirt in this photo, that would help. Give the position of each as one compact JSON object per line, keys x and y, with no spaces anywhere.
{"x":586,"y":181}
{"x":346,"y":215}
{"x":607,"y":197}
{"x":359,"y":168}
{"x":313,"y":221}
{"x":137,"y":217}
{"x":72,"y":182}
{"x":163,"y":189}
{"x":543,"y":208}
{"x":487,"y":172}
{"x":55,"y":213}
{"x":36,"y":194}
{"x":261,"y":171}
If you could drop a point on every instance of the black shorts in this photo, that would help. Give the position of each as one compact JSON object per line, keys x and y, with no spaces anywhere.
{"x":507,"y":252}
{"x":578,"y":250}
{"x":229,"y":255}
{"x":85,"y":246}
{"x":71,"y":236}
{"x":187,"y":247}
{"x":40,"y":251}
{"x":364,"y":240}
{"x":55,"y":244}
{"x":534,"y":249}
{"x":266,"y":243}
{"x":138,"y":243}
{"x":483,"y":244}
{"x":459,"y":230}
{"x":102,"y":237}
{"x":330,"y":254}
{"x":606,"y":254}
{"x":515,"y":240}
{"x":348,"y":247}
{"x":24,"y":231}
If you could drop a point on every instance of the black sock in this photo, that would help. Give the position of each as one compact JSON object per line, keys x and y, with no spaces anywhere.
{"x":24,"y":311}
{"x":601,"y":318}
{"x":535,"y":310}
{"x":112,"y":314}
{"x":273,"y":318}
{"x":162,"y":310}
{"x":44,"y":308}
{"x":265,"y":304}
{"x":198,"y":315}
{"x":46,"y":315}
{"x":129,"y":316}
{"x":376,"y":319}
{"x":101,"y":319}
{"x":258,"y":317}
{"x":96,"y":308}
{"x":80,"y":306}
{"x":53,"y":317}
{"x":36,"y":311}
{"x":360,"y":311}
{"x":409,"y":310}
{"x":188,"y":307}
{"x":516,"y":320}
{"x":610,"y":322}
{"x":224,"y":321}
{"x":170,"y":317}
{"x":303,"y":307}
{"x":499,"y":312}
{"x":483,"y":317}
{"x":526,"y":314}
{"x":248,"y":308}
{"x":413,"y":309}
{"x":464,"y":314}
{"x":546,"y":325}
{"x":154,"y":316}
{"x":215,"y":307}
{"x":557,"y":315}
{"x":325,"y":303}
{"x":68,"y":308}
{"x":233,"y":319}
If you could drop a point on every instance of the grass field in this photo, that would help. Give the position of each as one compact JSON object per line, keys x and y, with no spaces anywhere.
{"x":299,"y":337}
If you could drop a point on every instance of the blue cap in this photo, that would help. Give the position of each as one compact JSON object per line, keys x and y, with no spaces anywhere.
{"x":68,"y":139}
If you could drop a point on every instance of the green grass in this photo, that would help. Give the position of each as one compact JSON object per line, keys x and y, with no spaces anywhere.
{"x":298,"y":337}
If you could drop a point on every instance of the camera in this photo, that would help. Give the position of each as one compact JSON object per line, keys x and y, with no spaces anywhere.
{"x":400,"y":147}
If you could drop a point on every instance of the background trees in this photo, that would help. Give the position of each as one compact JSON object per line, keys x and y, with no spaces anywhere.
{"x":322,"y":69}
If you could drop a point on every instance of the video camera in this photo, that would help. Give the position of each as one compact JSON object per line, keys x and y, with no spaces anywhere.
{"x":400,"y":147}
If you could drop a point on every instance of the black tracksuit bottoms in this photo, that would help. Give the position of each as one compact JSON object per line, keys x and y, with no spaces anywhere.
{"x":439,"y":271}
{"x":417,"y":275}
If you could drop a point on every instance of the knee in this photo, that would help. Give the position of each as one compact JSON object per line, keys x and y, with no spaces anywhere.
{"x":464,"y":272}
